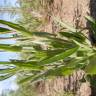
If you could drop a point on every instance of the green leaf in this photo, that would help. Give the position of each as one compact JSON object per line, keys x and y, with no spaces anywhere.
{"x":60,"y":56}
{"x":89,"y":18}
{"x":5,"y":62}
{"x":16,"y":27}
{"x":61,"y":71}
{"x":43,"y":34}
{"x":92,"y":22}
{"x":61,"y":44}
{"x":26,"y":79}
{"x":76,"y":35}
{"x":55,"y":41}
{"x":9,"y":70}
{"x":11,"y":48}
{"x":91,"y":67}
{"x":4,"y":30}
{"x":48,"y":53}
{"x":3,"y":77}
{"x":76,"y":63}
{"x":33,"y":65}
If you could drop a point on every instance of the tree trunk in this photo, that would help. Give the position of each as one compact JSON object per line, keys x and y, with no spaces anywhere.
{"x":72,"y":12}
{"x":69,"y":11}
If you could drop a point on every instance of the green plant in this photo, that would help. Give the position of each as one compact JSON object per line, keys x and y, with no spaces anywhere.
{"x":49,"y":55}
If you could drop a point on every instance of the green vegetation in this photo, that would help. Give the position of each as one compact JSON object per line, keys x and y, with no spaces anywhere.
{"x":51,"y":55}
{"x":46,"y":55}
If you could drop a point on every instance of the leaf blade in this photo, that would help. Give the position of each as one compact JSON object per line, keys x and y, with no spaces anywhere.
{"x":60,"y":56}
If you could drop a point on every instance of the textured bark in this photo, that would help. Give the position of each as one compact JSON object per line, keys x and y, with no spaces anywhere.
{"x":72,"y":12}
{"x":60,"y":85}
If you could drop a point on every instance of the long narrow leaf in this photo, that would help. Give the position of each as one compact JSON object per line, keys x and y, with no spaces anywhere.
{"x":43,"y":34}
{"x":33,"y":65}
{"x":4,"y":30}
{"x":89,"y":18}
{"x":30,"y":65}
{"x":16,"y":27}
{"x":6,"y":76}
{"x":11,"y":48}
{"x":59,"y":56}
{"x":76,"y":35}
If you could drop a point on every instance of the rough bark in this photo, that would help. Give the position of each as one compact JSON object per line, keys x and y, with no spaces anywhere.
{"x":60,"y":85}
{"x":72,"y":12}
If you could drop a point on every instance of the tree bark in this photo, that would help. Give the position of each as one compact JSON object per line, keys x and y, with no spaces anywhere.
{"x":69,"y":11}
{"x":72,"y":12}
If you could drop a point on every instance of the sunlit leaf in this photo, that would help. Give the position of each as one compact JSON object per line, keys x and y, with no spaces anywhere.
{"x":4,"y":30}
{"x":27,"y":64}
{"x":11,"y":48}
{"x":48,"y":53}
{"x":43,"y":34}
{"x":57,"y":43}
{"x":6,"y":76}
{"x":89,"y":18}
{"x":33,"y":65}
{"x":77,"y":36}
{"x":16,"y":27}
{"x":59,"y":56}
{"x":61,"y":71}
{"x":8,"y":70}
{"x":91,"y":67}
